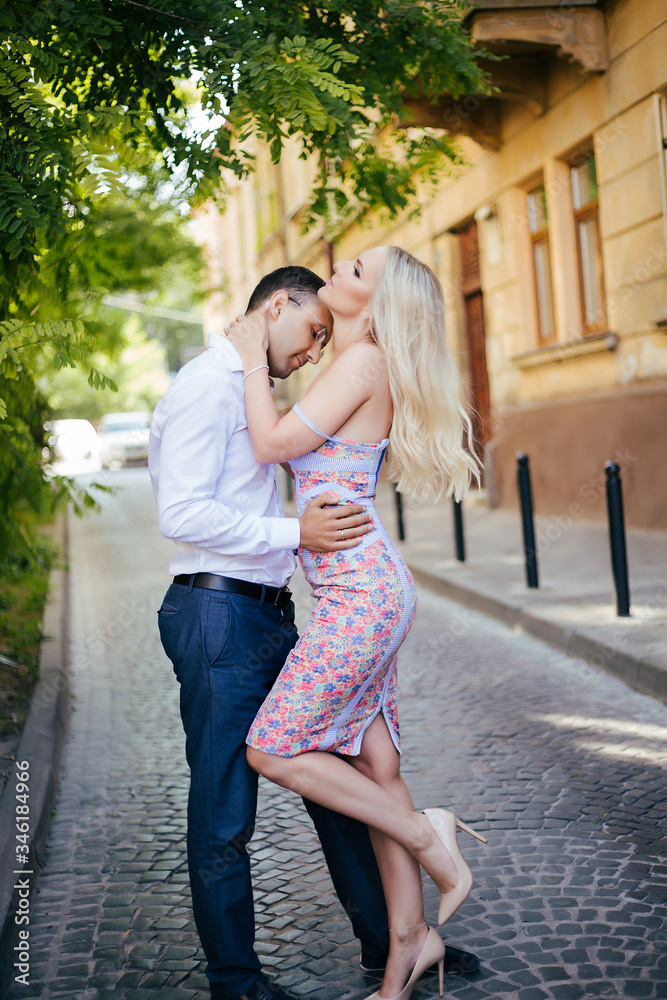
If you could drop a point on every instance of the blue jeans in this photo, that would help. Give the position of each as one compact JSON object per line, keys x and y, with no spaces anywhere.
{"x":227,"y":651}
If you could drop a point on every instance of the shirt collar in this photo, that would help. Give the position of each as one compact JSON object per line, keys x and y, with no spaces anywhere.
{"x":229,"y":352}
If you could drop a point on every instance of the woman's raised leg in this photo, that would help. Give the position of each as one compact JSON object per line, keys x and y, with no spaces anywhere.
{"x":326,"y":779}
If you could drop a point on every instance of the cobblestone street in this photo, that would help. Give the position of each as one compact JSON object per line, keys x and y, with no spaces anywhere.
{"x":561,"y":766}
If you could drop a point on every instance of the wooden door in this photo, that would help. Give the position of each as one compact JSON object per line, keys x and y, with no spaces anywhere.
{"x":475,"y":336}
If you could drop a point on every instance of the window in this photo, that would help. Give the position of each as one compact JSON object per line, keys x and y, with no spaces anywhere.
{"x":585,"y":202}
{"x":538,"y":224}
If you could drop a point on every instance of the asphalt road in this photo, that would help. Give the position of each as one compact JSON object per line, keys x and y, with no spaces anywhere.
{"x":562,"y":767}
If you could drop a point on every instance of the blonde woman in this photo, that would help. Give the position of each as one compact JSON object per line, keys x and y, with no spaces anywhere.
{"x":391,"y":386}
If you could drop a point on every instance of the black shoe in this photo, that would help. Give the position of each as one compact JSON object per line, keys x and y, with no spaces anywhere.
{"x":457,"y":962}
{"x":262,"y":989}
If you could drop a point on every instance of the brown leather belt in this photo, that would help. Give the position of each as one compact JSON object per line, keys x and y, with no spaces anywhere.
{"x":211,"y":581}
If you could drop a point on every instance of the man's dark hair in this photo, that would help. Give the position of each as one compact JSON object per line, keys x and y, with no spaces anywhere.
{"x":298,"y":282}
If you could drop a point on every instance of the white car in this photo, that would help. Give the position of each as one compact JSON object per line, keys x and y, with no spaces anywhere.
{"x":123,"y":438}
{"x":74,"y":447}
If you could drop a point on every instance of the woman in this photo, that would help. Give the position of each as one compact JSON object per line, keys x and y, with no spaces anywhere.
{"x":390,"y":383}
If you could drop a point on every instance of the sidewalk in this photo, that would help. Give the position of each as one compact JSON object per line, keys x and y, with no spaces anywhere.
{"x":574,"y":608}
{"x":35,"y":763}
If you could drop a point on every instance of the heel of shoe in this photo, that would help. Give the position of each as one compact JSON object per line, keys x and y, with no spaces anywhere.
{"x":441,"y":972}
{"x":468,"y":829}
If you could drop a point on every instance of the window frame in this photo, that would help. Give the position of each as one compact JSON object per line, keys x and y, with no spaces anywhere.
{"x":541,"y":236}
{"x":591,"y":210}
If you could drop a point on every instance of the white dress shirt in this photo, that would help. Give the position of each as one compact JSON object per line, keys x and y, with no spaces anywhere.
{"x":221,"y":507}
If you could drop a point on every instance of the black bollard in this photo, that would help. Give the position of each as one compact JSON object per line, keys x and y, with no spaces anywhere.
{"x":399,"y":515}
{"x":619,"y":559}
{"x":458,"y":531}
{"x":526,"y":498}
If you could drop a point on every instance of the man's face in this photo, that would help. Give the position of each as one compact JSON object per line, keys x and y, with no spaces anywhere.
{"x":296,"y":332}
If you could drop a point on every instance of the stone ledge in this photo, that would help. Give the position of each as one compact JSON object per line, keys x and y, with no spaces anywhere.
{"x":595,"y":344}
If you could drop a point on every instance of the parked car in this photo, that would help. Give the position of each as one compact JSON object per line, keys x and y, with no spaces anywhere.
{"x":123,"y":438}
{"x":74,"y":447}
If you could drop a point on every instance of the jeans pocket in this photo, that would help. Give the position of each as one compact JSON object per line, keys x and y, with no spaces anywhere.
{"x":216,"y":621}
{"x":171,"y":632}
{"x":288,"y":626}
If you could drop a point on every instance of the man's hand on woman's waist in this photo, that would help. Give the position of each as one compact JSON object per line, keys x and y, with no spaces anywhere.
{"x":326,"y":528}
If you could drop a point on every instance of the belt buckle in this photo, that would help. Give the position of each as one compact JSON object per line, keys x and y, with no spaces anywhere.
{"x":283,"y":590}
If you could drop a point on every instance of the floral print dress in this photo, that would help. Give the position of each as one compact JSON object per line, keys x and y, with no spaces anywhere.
{"x":342,"y":671}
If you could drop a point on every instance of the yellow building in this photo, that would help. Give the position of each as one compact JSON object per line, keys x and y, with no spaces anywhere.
{"x":550,"y":243}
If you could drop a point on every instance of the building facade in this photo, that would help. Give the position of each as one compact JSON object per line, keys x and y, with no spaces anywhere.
{"x":550,"y":242}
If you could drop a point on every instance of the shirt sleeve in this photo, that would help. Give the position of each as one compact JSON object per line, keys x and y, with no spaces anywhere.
{"x":195,"y":429}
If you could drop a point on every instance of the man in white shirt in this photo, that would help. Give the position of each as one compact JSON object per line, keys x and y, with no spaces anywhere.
{"x":227,"y":622}
{"x":227,"y":625}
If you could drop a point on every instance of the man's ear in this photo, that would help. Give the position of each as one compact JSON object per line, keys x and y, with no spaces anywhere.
{"x":275,"y":305}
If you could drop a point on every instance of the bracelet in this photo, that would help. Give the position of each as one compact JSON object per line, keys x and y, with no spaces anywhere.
{"x":253,"y":370}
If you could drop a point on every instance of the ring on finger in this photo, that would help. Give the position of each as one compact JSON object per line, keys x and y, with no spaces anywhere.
{"x":342,"y":534}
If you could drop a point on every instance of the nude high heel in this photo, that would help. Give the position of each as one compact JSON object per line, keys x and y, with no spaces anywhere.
{"x":433,"y":951}
{"x":445,"y":823}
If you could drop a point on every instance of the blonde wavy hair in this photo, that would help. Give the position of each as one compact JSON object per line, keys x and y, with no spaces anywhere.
{"x":430,"y":443}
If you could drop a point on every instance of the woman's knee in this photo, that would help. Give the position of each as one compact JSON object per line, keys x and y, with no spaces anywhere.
{"x":267,"y":764}
{"x":383,"y":769}
{"x":386,"y":778}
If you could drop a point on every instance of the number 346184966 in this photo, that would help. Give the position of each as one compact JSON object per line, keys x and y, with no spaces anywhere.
{"x":22,"y":813}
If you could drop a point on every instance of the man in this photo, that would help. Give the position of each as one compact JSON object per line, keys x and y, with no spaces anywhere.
{"x":227,"y":624}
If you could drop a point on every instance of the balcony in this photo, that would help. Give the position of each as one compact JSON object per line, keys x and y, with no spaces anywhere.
{"x":530,"y":33}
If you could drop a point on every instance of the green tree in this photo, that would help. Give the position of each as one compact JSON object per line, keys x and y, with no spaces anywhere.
{"x":93,"y":94}
{"x":87,"y":88}
{"x":128,"y":242}
{"x":139,"y":370}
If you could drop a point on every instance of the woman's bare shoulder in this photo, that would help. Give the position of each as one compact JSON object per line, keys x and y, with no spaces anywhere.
{"x":364,"y":357}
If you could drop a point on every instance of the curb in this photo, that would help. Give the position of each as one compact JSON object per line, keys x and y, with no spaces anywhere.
{"x":640,"y":674}
{"x":41,"y":745}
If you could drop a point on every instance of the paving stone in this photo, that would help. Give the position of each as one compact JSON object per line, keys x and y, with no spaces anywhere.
{"x":507,"y":964}
{"x":142,"y":963}
{"x":102,"y":980}
{"x":85,"y":911}
{"x":77,"y":948}
{"x":568,"y":893}
{"x":74,"y":970}
{"x":155,"y":980}
{"x":130,"y":979}
{"x":62,"y":986}
{"x":638,"y":988}
{"x":569,"y":991}
{"x":524,"y":978}
{"x":112,"y":912}
{"x":141,"y":923}
{"x":179,"y":951}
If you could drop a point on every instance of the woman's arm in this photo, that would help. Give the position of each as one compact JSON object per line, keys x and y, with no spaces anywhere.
{"x":334,"y":395}
{"x":331,"y":399}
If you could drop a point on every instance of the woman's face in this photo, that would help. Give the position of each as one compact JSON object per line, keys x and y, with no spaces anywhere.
{"x":347,"y":293}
